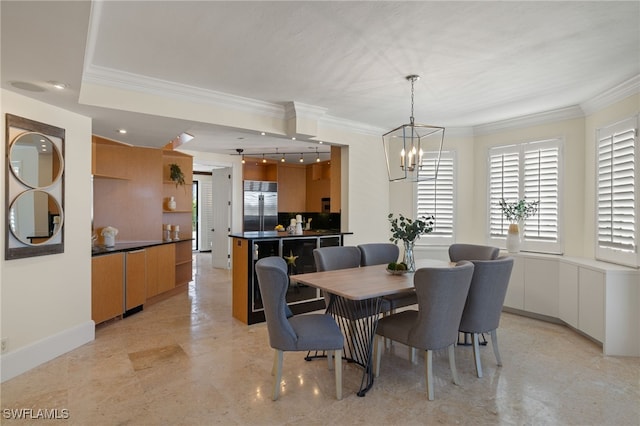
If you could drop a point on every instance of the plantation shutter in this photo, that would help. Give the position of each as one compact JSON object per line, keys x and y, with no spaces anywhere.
{"x":616,"y":187}
{"x":436,"y":196}
{"x":541,"y":169}
{"x":504,"y":182}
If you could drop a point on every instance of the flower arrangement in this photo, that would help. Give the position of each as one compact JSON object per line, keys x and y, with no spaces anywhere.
{"x":518,"y":210}
{"x":406,"y":229}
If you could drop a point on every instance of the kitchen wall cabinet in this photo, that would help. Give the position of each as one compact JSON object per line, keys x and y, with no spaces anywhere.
{"x":292,"y":188}
{"x":301,"y":187}
{"x":599,"y":299}
{"x":107,"y":287}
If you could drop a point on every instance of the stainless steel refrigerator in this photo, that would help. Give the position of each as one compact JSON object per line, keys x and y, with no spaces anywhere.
{"x":260,"y":205}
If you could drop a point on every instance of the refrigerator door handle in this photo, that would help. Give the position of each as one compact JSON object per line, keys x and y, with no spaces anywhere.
{"x":261,"y":211}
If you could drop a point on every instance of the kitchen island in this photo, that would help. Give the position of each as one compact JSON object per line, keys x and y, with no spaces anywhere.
{"x":297,"y":250}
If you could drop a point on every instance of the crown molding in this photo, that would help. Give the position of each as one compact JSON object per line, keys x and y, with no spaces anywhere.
{"x":110,"y":77}
{"x":613,"y":95}
{"x":545,"y":117}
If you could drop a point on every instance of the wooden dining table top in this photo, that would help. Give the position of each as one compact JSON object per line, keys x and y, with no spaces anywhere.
{"x":364,"y":282}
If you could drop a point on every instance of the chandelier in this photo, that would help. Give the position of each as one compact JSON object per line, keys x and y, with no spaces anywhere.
{"x":405,"y":147}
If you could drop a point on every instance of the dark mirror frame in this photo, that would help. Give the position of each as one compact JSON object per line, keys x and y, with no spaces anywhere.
{"x":14,"y":248}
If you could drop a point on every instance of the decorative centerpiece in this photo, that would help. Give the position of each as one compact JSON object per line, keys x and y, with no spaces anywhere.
{"x":408,"y":231}
{"x":516,"y":213}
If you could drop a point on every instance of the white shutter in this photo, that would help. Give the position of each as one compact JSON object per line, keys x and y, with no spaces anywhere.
{"x":504,"y":182}
{"x":531,"y":171}
{"x":616,"y":187}
{"x":436,"y":196}
{"x":541,"y":178}
{"x":206,"y":211}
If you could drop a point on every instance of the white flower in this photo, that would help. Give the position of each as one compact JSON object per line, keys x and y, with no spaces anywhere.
{"x":109,"y":231}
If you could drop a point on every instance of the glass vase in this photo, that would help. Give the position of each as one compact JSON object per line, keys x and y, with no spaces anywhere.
{"x":408,"y":258}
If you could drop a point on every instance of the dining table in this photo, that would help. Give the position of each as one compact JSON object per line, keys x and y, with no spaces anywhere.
{"x":356,"y":296}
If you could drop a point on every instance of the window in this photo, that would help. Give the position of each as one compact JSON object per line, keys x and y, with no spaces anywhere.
{"x":436,"y":196}
{"x":616,"y":200}
{"x":532,"y":171}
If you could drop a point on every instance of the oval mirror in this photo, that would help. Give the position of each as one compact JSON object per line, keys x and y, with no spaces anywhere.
{"x":35,"y":217}
{"x":35,"y":160}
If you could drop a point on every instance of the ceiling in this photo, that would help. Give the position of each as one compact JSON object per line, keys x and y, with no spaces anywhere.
{"x":480,"y":62}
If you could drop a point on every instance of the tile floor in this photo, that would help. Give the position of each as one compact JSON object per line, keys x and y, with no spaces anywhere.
{"x":186,"y":361}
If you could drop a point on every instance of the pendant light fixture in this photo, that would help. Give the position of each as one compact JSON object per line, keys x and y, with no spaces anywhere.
{"x":405,"y":146}
{"x":317,"y":156}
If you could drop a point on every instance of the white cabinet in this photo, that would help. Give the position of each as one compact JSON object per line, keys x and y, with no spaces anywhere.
{"x":568,"y":293}
{"x":599,"y":299}
{"x":591,"y":303}
{"x":515,"y":291}
{"x":541,"y":286}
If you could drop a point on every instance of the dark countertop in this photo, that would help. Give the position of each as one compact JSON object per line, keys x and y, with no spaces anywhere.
{"x":130,"y":246}
{"x":258,"y":235}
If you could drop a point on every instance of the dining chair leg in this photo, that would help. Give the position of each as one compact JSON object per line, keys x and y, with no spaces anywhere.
{"x":494,"y":343}
{"x":428,"y":366}
{"x":330,"y":356}
{"x":452,"y":364}
{"x":476,"y":353}
{"x":338,"y":367}
{"x":277,"y":363}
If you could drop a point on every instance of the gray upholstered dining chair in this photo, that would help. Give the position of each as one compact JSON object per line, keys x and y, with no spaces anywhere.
{"x":459,"y":251}
{"x":342,"y":257}
{"x":384,"y":253}
{"x":484,"y":303}
{"x":297,"y":333}
{"x":442,"y":293}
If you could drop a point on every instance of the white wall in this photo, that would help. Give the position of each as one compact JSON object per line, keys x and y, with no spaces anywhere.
{"x":45,"y":307}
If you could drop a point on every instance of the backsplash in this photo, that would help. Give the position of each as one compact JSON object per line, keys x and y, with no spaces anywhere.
{"x":318,"y":220}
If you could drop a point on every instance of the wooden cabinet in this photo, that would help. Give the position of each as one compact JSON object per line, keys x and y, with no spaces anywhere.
{"x":107,"y":287}
{"x":161,"y":272}
{"x":182,"y":194}
{"x":183,"y":262}
{"x":109,"y":159}
{"x":292,"y":188}
{"x":301,"y":187}
{"x":136,"y":279}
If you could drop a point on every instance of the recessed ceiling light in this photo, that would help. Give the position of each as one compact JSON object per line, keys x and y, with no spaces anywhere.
{"x":122,"y":131}
{"x":320,"y":142}
{"x":58,"y":85}
{"x":293,"y":139}
{"x":262,"y":133}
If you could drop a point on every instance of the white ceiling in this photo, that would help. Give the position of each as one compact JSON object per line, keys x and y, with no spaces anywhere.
{"x":480,"y":62}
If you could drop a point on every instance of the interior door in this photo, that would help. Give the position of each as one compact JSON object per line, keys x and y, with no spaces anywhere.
{"x":221,"y":207}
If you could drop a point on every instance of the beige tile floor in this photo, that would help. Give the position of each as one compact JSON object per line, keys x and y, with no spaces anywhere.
{"x":185,"y":361}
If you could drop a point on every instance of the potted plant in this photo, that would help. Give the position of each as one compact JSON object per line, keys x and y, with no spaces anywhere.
{"x":175,"y":174}
{"x":516,"y":213}
{"x":408,"y":231}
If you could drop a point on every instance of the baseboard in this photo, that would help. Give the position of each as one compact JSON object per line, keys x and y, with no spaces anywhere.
{"x":24,"y":359}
